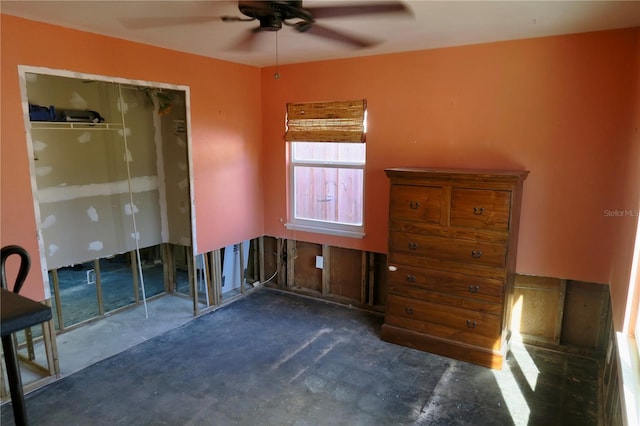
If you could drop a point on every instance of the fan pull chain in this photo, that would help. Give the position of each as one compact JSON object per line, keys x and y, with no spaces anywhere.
{"x":277,"y":74}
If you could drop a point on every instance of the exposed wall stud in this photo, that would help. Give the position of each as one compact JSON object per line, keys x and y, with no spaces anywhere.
{"x":291,"y":260}
{"x":242,"y":274}
{"x":261,"y":260}
{"x":326,"y":281}
{"x":216,"y":265}
{"x":168,"y":268}
{"x":56,"y":295}
{"x":193,"y":288}
{"x":51,"y":345}
{"x":282,"y":263}
{"x":96,"y":267}
{"x":134,"y":274}
{"x":256,"y":260}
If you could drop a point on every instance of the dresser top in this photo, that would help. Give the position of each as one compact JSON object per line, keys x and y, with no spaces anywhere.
{"x":457,"y":173}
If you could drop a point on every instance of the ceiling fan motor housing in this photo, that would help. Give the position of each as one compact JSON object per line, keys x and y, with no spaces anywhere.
{"x":271,"y":14}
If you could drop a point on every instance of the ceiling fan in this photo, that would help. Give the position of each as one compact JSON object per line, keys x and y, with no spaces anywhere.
{"x":272,"y":15}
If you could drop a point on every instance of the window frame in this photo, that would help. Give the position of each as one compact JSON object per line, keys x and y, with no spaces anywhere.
{"x":323,"y":226}
{"x":628,"y":342}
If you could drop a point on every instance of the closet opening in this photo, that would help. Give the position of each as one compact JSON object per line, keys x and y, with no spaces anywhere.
{"x":112,"y":187}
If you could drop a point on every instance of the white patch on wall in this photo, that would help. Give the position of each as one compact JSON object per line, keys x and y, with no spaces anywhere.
{"x":73,"y":192}
{"x":53,"y":249}
{"x":92,"y":213}
{"x":182,"y":166}
{"x":123,"y":107}
{"x":48,"y":221}
{"x":127,"y":209}
{"x":95,"y":245}
{"x":39,"y":146}
{"x":127,"y":156}
{"x":30,"y":77}
{"x":183,"y":184}
{"x":135,"y":236}
{"x":180,"y":141}
{"x":78,"y":101}
{"x":43,"y":170}
{"x":84,"y":137}
{"x":125,"y":131}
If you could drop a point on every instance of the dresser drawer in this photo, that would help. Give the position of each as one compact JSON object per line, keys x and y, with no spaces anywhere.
{"x":445,"y":322}
{"x":421,"y":248}
{"x":417,"y":293}
{"x":480,"y":208}
{"x":421,"y":204}
{"x":450,"y":283}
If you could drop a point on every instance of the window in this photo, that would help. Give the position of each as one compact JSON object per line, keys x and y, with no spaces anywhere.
{"x":629,"y":342}
{"x":326,"y":167}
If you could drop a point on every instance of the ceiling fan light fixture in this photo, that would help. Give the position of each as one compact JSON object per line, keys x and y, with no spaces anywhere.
{"x":270,"y":23}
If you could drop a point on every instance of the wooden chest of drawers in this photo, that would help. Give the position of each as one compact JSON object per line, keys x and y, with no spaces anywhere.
{"x":452,"y":250}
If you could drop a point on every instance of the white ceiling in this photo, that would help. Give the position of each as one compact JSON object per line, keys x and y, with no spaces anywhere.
{"x":432,"y":24}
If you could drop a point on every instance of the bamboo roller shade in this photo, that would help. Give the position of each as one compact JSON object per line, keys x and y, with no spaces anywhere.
{"x":342,"y":121}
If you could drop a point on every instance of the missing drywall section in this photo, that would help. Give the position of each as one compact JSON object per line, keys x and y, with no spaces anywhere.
{"x":89,"y":290}
{"x":565,"y":315}
{"x":348,"y":276}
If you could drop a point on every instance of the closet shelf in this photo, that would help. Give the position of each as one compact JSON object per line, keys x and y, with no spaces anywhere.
{"x":65,"y":125}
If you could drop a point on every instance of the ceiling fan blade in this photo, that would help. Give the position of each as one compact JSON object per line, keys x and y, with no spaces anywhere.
{"x":363,"y":8}
{"x":321,"y":31}
{"x":167,"y":21}
{"x":246,"y":42}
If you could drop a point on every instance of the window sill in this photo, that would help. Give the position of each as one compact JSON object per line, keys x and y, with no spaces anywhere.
{"x":629,"y":379}
{"x":322,"y":230}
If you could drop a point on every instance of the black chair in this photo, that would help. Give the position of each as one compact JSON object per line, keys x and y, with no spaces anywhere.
{"x":24,"y":312}
{"x":25,"y":265}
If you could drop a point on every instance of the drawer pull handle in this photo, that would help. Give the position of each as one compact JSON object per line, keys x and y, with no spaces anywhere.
{"x":414,"y":204}
{"x":478,"y":210}
{"x":413,"y":246}
{"x":474,"y":288}
{"x":408,"y":310}
{"x":411,"y":278}
{"x":476,"y":254}
{"x":471,"y":324}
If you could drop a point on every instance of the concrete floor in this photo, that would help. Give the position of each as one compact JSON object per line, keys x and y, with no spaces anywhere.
{"x":273,"y":358}
{"x":84,"y":346}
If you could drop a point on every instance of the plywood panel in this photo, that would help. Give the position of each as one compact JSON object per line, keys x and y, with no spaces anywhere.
{"x":345,"y":273}
{"x":585,"y":312}
{"x":306,"y":275}
{"x":537,"y":307}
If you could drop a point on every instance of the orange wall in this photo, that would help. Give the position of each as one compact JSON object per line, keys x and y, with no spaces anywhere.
{"x":559,"y":107}
{"x":629,"y":203}
{"x":225,"y":124}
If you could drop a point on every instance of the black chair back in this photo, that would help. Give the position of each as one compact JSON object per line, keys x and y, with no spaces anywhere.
{"x":25,"y":264}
